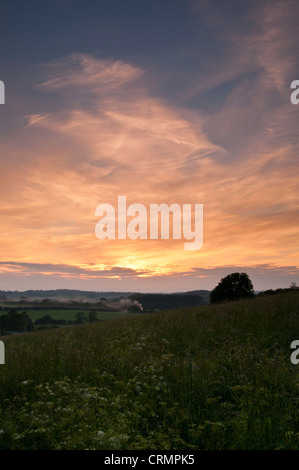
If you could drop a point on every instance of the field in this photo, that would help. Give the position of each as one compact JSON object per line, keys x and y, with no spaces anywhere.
{"x":210,"y":377}
{"x":68,"y":314}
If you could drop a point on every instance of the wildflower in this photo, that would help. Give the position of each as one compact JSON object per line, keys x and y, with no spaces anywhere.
{"x":115,"y":441}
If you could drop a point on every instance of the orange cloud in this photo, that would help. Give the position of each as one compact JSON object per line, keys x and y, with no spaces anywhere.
{"x":124,"y":141}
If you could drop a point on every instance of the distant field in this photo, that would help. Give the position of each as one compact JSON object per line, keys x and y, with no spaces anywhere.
{"x":210,"y":377}
{"x":66,"y":314}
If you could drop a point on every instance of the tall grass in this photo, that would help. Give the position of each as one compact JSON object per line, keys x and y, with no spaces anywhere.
{"x":211,"y":377}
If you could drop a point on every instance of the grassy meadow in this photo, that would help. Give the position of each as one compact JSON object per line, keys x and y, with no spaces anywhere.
{"x":210,"y":377}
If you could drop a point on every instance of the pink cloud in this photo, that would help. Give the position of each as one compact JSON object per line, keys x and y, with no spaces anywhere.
{"x":132,"y":143}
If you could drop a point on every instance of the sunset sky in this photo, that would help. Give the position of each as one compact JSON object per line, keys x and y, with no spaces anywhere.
{"x":163,"y":101}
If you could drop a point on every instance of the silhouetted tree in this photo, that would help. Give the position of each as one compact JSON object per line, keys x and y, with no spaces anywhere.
{"x":15,"y":321}
{"x":80,"y":318}
{"x":235,"y":286}
{"x":45,"y":320}
{"x":92,"y":316}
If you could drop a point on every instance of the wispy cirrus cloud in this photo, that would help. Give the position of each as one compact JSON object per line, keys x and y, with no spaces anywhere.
{"x":255,"y":39}
{"x":107,"y":134}
{"x":68,"y":271}
{"x":82,"y":70}
{"x":269,"y":274}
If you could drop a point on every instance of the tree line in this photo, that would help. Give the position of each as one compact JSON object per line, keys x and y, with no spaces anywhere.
{"x":20,"y":322}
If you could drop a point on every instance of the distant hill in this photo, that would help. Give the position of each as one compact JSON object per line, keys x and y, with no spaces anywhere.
{"x":94,"y":296}
{"x":64,"y":294}
{"x":195,"y":292}
{"x":205,"y":294}
{"x":167,"y":301}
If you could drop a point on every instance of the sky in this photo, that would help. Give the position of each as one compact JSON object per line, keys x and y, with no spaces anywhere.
{"x":161,"y":101}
